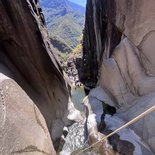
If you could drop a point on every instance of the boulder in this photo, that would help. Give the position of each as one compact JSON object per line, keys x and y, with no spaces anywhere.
{"x":22,"y":126}
{"x":26,"y":57}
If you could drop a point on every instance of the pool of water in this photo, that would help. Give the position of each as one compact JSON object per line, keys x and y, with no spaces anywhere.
{"x":77,"y":137}
{"x":77,"y":96}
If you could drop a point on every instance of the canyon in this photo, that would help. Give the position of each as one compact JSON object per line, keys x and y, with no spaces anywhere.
{"x":117,"y":61}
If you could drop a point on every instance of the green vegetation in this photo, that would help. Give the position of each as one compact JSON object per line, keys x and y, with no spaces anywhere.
{"x":60,"y":45}
{"x":65,"y":22}
{"x":63,"y":56}
{"x":77,"y":49}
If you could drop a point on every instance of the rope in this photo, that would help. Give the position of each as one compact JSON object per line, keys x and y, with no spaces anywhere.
{"x":120,"y":128}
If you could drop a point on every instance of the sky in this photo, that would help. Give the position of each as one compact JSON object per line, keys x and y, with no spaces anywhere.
{"x":80,"y":2}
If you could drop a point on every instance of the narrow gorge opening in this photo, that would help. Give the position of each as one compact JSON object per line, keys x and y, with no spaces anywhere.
{"x":82,"y":42}
{"x":65,"y":21}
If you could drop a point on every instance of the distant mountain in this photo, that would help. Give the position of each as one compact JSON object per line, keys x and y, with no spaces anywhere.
{"x":79,"y":2}
{"x":77,"y":7}
{"x":65,"y":22}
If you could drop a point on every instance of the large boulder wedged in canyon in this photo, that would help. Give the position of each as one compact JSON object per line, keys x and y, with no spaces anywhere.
{"x":119,"y":36}
{"x":22,"y":127}
{"x":26,"y":57}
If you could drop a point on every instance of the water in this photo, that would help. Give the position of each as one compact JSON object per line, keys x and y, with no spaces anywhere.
{"x":76,"y":140}
{"x":77,"y":96}
{"x":77,"y":137}
{"x":76,"y":134}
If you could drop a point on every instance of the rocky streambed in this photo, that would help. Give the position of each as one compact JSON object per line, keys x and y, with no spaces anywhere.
{"x":82,"y":134}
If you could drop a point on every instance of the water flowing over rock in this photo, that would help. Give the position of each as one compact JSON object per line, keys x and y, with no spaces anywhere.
{"x":74,"y":140}
{"x":26,"y":57}
{"x":119,"y":53}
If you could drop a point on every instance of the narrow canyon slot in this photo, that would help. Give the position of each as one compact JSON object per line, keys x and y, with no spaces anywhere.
{"x":77,"y":77}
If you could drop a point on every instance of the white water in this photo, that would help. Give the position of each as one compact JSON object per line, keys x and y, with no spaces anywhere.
{"x":76,"y":140}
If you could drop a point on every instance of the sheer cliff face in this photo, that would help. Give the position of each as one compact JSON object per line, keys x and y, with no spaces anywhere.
{"x":119,"y":40}
{"x":26,"y":57}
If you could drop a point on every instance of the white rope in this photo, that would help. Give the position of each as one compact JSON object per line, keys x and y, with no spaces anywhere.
{"x":120,"y":128}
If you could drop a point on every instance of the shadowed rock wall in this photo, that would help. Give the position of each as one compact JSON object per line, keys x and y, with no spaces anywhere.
{"x":26,"y":57}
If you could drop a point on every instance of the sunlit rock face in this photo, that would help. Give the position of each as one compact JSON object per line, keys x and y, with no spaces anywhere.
{"x":26,"y":57}
{"x":119,"y":42}
{"x":22,"y":126}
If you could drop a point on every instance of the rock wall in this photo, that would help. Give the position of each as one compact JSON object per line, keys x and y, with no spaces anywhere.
{"x":119,"y":41}
{"x":22,"y":127}
{"x":26,"y":57}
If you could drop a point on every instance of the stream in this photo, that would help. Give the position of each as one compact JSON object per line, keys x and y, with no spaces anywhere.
{"x":77,"y":136}
{"x":77,"y":96}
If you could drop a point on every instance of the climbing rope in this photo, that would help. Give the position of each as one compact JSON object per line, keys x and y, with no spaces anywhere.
{"x":120,"y":128}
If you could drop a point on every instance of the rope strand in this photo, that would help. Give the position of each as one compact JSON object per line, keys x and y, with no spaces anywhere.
{"x":120,"y":128}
